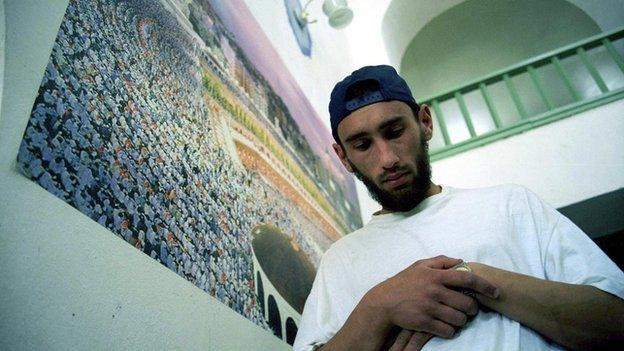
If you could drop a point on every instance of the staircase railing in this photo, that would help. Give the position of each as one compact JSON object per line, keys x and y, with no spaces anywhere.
{"x":541,"y":90}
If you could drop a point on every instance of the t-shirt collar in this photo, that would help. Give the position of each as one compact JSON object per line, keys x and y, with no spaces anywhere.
{"x":426,"y":203}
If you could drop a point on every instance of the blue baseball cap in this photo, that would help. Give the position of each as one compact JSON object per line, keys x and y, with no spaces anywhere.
{"x":390,"y":87}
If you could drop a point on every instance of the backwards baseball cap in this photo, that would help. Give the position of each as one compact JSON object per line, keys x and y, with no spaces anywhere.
{"x":384,"y":84}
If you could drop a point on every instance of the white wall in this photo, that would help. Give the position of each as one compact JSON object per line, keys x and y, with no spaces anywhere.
{"x":364,"y":33}
{"x":565,"y":162}
{"x":67,"y":282}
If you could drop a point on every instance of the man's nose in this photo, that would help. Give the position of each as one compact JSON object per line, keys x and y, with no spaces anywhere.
{"x":387,"y":156}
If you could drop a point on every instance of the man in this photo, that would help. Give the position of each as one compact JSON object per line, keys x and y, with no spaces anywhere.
{"x":535,"y":279}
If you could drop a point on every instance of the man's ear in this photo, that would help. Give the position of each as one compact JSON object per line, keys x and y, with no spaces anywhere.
{"x":426,"y":121}
{"x":342,"y":156}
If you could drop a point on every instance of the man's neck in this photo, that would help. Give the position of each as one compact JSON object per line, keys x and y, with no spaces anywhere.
{"x":433,"y":190}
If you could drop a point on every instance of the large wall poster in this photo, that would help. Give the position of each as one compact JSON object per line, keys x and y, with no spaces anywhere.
{"x":175,"y":125}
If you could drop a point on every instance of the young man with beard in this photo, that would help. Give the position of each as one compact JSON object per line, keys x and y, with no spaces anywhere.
{"x":535,"y":279}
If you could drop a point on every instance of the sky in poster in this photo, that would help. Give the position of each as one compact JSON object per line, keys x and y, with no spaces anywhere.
{"x":249,"y":35}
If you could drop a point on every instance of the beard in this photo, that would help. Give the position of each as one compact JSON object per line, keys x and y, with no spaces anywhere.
{"x":408,"y":196}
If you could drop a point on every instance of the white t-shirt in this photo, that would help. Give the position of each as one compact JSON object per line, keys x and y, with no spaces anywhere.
{"x":505,"y":226}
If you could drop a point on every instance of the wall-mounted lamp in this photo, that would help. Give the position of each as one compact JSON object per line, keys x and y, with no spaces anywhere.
{"x":337,"y":11}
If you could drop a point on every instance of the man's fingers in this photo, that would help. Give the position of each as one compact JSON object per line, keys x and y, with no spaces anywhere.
{"x":441,"y":262}
{"x":417,"y":341}
{"x":459,"y":301}
{"x":409,"y":340}
{"x":402,"y":340}
{"x":438,"y":328}
{"x":469,"y":280}
{"x":450,"y":316}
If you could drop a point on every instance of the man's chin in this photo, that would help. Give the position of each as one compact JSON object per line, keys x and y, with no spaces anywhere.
{"x":400,"y":198}
{"x":402,"y":205}
{"x":398,"y":191}
{"x":393,"y":200}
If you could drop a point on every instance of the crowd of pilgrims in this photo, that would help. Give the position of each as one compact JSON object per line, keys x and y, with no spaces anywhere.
{"x":120,"y":131}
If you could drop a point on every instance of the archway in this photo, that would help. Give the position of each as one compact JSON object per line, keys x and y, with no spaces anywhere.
{"x":275,"y":320}
{"x":260,"y":293}
{"x":291,"y":330}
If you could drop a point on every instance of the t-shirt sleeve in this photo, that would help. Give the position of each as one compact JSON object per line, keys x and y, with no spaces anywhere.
{"x":321,"y":315}
{"x":569,"y":255}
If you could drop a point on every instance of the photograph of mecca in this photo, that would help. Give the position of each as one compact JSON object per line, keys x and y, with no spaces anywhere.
{"x":176,"y":125}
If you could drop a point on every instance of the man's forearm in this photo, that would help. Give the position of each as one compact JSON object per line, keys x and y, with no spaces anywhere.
{"x":575,"y":316}
{"x":364,"y":330}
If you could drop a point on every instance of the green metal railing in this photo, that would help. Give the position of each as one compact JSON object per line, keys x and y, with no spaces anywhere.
{"x":535,"y":92}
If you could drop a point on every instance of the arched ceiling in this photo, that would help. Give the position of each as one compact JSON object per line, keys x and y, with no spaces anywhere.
{"x":473,"y":38}
{"x":403,"y":19}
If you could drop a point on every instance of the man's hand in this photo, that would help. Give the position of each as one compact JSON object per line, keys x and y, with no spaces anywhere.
{"x":408,"y":340}
{"x":424,"y":297}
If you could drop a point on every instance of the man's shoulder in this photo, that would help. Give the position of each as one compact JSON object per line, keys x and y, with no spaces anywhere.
{"x":500,"y":192}
{"x":497,"y":199}
{"x":347,"y":244}
{"x":508,"y":188}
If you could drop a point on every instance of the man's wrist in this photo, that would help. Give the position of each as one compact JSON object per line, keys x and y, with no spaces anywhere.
{"x":365,"y":329}
{"x":491,"y":274}
{"x":478,"y":269}
{"x":374,"y":313}
{"x":482,"y":270}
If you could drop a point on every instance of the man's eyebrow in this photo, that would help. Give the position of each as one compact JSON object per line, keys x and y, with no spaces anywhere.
{"x":390,"y":122}
{"x":354,"y":136}
{"x":383,"y":125}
